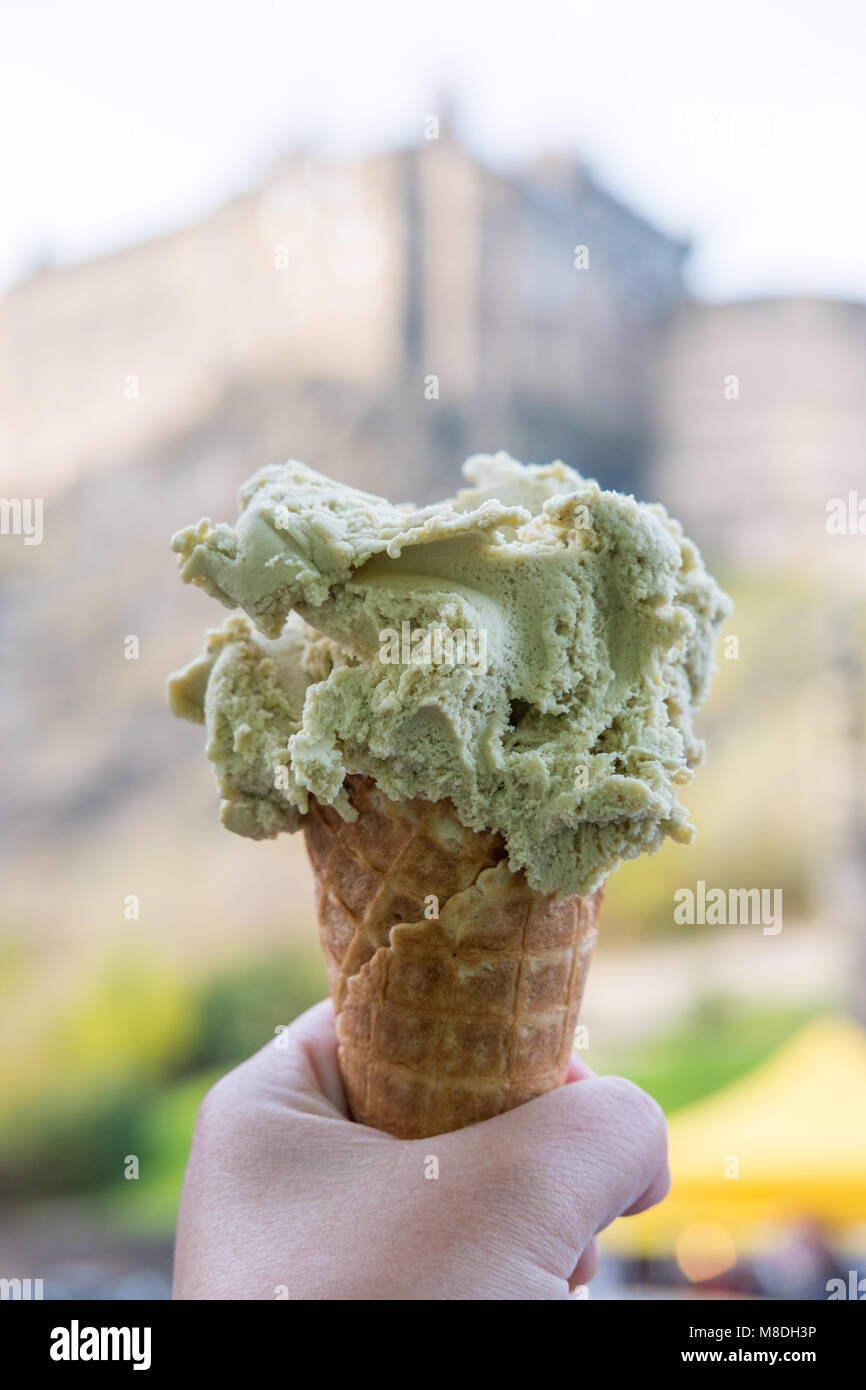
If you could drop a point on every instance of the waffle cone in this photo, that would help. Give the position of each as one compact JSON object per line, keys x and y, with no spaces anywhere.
{"x":441,"y":1020}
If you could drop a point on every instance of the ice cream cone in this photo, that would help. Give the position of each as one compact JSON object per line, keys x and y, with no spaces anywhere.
{"x":456,"y":986}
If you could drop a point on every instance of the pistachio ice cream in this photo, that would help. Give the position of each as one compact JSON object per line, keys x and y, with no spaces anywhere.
{"x":533,"y":650}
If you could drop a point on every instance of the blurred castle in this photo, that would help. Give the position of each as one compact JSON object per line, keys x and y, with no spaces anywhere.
{"x":373,"y":277}
{"x":383,"y":318}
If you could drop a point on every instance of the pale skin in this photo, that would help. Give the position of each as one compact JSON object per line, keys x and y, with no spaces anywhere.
{"x":285,"y":1196}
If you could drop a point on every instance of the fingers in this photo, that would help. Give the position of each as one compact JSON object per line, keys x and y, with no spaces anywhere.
{"x":655,"y":1193}
{"x":585,"y":1267}
{"x":612,"y":1147}
{"x":561,"y":1168}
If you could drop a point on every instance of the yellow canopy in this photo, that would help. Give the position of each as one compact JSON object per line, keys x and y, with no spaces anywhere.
{"x":782,"y":1146}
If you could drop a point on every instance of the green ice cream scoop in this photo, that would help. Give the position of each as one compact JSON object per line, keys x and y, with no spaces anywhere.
{"x":533,"y":650}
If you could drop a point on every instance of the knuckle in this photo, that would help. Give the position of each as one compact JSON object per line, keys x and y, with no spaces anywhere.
{"x":219,"y":1107}
{"x":640,"y":1110}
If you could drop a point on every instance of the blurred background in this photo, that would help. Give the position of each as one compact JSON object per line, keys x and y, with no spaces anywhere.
{"x":626,"y":236}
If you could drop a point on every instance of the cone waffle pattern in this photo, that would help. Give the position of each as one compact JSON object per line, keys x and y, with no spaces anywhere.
{"x":442,"y":1022}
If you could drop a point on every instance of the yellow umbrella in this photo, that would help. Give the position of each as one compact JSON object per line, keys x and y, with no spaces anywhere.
{"x":782,"y":1146}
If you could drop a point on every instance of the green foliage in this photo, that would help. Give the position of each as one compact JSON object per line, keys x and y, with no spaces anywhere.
{"x":722,"y":1040}
{"x":134,"y":1021}
{"x":239,"y":1010}
{"x":119,"y":1046}
{"x":71,"y":1141}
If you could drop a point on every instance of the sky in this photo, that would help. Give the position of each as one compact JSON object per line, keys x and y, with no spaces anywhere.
{"x":739,"y":126}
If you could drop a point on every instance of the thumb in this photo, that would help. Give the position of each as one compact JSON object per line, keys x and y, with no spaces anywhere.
{"x":298,"y":1070}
